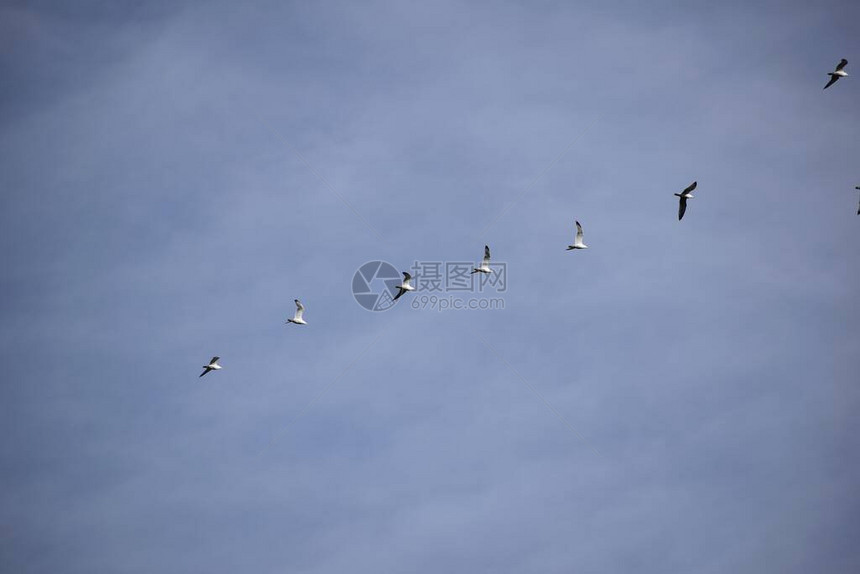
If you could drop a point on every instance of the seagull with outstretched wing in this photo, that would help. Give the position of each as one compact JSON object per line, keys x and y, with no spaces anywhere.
{"x":685,"y":195}
{"x":838,"y":73}
{"x":297,"y":318}
{"x":212,"y":366}
{"x":405,"y":286}
{"x":485,"y":263}
{"x":577,"y":242}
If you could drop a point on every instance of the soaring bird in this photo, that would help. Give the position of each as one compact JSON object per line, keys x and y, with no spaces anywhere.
{"x":297,"y":318}
{"x":212,"y":366}
{"x":685,"y":195}
{"x":838,"y":73}
{"x":404,"y":286}
{"x":485,"y":263}
{"x":577,"y":243}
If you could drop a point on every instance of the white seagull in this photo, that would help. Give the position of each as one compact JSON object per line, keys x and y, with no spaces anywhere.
{"x":577,"y":243}
{"x":838,"y":73}
{"x":212,"y":366}
{"x":485,"y":263}
{"x":685,"y":195}
{"x":404,"y":286}
{"x":297,"y":318}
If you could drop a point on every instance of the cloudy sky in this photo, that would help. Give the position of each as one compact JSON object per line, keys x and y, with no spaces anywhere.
{"x":681,"y":397}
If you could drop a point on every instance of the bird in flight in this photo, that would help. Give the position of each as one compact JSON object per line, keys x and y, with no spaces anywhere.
{"x":838,"y":73}
{"x":404,"y":286}
{"x":577,"y":243}
{"x":297,"y":318}
{"x":485,"y":263}
{"x":212,"y":366}
{"x":685,"y":195}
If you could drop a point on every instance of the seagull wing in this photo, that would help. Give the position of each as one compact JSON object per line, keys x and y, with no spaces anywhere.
{"x":406,"y":276}
{"x":300,"y":310}
{"x":486,"y":261}
{"x":842,"y":63}
{"x":691,"y":187}
{"x":205,"y":370}
{"x":578,"y":233}
{"x":400,"y":291}
{"x":682,"y":207}
{"x":214,"y":360}
{"x":833,"y":78}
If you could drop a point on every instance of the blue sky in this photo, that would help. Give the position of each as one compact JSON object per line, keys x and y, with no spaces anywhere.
{"x":156,"y":211}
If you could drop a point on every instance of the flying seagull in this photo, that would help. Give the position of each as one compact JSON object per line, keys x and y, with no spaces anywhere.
{"x":212,"y":366}
{"x":838,"y":73}
{"x":685,"y":195}
{"x":404,"y":286}
{"x":297,"y":318}
{"x":485,"y":263}
{"x":577,"y":243}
